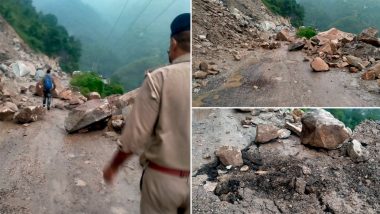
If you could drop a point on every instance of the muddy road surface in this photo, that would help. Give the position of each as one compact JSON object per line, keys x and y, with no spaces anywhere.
{"x":282,"y":78}
{"x":44,"y":170}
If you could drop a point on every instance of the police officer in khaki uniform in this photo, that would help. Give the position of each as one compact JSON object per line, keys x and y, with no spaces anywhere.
{"x":158,"y":128}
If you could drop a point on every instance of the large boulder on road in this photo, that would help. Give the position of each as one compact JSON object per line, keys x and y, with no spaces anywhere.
{"x":321,"y":129}
{"x":86,"y":114}
{"x":319,"y":65}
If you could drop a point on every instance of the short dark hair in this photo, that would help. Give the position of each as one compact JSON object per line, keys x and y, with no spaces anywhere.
{"x":48,"y":71}
{"x":183,"y":40}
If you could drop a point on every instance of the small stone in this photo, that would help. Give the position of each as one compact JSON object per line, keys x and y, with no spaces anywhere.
{"x":300,"y":185}
{"x":200,"y":75}
{"x":80,"y":183}
{"x":283,"y":133}
{"x":203,"y":66}
{"x":229,"y":155}
{"x":353,"y":70}
{"x":210,"y":186}
{"x":244,"y":168}
{"x":318,"y":64}
{"x":229,"y":167}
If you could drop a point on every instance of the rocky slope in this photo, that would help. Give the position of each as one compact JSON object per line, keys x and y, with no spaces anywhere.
{"x":44,"y":168}
{"x":242,"y":50}
{"x":269,"y":165}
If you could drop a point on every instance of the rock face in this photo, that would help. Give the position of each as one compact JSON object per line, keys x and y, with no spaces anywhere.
{"x":86,"y":114}
{"x":369,"y":36}
{"x":30,"y":114}
{"x":318,"y":64}
{"x":94,"y":96}
{"x":266,"y":133}
{"x":21,"y":68}
{"x":321,"y":129}
{"x":229,"y":155}
{"x":7,"y":111}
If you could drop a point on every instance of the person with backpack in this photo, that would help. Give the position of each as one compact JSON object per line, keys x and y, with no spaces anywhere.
{"x":48,"y":87}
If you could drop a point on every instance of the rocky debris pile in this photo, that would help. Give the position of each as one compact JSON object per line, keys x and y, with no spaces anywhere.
{"x":289,"y":177}
{"x":338,"y":49}
{"x":231,"y":28}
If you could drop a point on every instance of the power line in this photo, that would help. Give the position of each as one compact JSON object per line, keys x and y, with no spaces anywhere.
{"x":135,"y":20}
{"x":159,"y":16}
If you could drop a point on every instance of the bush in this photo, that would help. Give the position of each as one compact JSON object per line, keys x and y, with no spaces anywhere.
{"x":90,"y":82}
{"x":307,"y":32}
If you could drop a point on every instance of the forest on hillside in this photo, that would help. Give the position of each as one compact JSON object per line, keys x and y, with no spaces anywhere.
{"x":347,"y":15}
{"x":287,"y":8}
{"x":42,"y":32}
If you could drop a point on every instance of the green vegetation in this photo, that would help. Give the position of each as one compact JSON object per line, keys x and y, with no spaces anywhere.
{"x":306,"y":32}
{"x":350,"y":16}
{"x":88,"y":82}
{"x":287,"y":8}
{"x":42,"y":32}
{"x":353,"y":117}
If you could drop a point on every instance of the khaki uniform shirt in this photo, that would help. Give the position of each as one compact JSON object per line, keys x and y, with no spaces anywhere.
{"x":159,"y":124}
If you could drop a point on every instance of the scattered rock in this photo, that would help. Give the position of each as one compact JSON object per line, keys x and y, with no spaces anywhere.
{"x":30,"y":114}
{"x":356,"y":151}
{"x":355,"y":61}
{"x":369,"y":75}
{"x":244,"y":168}
{"x":332,"y":34}
{"x":200,"y":75}
{"x":22,"y":68}
{"x":284,"y":35}
{"x":266,"y":133}
{"x":283,"y":133}
{"x":80,"y":183}
{"x":300,"y":185}
{"x":353,"y":70}
{"x":321,"y":129}
{"x":7,"y":111}
{"x":86,"y":114}
{"x":318,"y":64}
{"x":203,"y":66}
{"x":229,"y":155}
{"x":294,"y":128}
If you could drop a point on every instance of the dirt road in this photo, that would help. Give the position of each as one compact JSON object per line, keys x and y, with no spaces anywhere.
{"x":44,"y":170}
{"x":281,"y":78}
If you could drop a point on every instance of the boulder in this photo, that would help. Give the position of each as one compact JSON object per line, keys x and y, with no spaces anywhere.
{"x":370,"y":36}
{"x":328,"y":48}
{"x":119,"y":102}
{"x":7,"y":111}
{"x":355,"y":61}
{"x":369,"y":75}
{"x":318,"y":64}
{"x":94,"y":96}
{"x":30,"y":114}
{"x":116,"y":123}
{"x":284,"y":35}
{"x":86,"y":114}
{"x":332,"y":34}
{"x":229,"y":155}
{"x":21,"y":68}
{"x":356,"y":151}
{"x":321,"y":129}
{"x":55,"y":93}
{"x":266,"y":133}
{"x":376,"y":69}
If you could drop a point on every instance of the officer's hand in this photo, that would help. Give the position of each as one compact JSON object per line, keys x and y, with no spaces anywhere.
{"x":109,"y":174}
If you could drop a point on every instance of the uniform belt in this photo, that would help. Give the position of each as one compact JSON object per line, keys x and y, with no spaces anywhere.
{"x":169,"y":171}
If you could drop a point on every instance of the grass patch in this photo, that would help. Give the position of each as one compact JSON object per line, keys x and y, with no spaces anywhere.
{"x":88,"y":82}
{"x":306,"y":32}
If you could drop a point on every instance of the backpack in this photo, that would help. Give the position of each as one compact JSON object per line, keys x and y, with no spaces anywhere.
{"x":48,"y":83}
